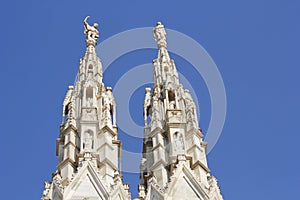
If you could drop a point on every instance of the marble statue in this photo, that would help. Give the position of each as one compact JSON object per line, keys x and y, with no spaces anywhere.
{"x":147,"y":103}
{"x":91,"y":32}
{"x":88,"y":141}
{"x":178,"y":142}
{"x":159,"y":33}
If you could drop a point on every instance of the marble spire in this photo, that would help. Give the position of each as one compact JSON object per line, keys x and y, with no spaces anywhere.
{"x":88,"y":148}
{"x":174,"y":153}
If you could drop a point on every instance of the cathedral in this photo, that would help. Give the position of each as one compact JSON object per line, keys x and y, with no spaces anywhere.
{"x":173,"y":165}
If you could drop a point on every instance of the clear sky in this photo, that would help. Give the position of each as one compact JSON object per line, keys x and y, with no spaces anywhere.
{"x":255,"y":45}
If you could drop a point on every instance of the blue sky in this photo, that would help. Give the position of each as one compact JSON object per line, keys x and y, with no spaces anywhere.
{"x":255,"y":45}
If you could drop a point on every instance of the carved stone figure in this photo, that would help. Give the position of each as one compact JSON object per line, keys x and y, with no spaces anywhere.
{"x":88,"y":140}
{"x":156,"y":93}
{"x":155,"y":117}
{"x":155,"y":110}
{"x":172,"y":105}
{"x":143,"y":165}
{"x":89,"y":114}
{"x":47,"y":186}
{"x":89,"y":102}
{"x":91,"y":32}
{"x":107,"y":102}
{"x":89,"y":151}
{"x":159,"y":34}
{"x":178,"y":142}
{"x":190,"y":110}
{"x":188,"y":100}
{"x":71,"y":112}
{"x":147,"y":102}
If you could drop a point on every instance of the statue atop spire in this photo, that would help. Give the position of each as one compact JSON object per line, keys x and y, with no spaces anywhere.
{"x":88,"y":147}
{"x":159,"y":34}
{"x":91,"y":32}
{"x":173,"y":164}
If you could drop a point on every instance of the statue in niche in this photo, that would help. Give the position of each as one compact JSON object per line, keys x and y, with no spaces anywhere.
{"x":172,"y":100}
{"x":89,"y":102}
{"x":91,"y":32}
{"x":89,"y":96}
{"x":172,"y":105}
{"x":90,"y":74}
{"x":178,"y":141}
{"x":88,"y":141}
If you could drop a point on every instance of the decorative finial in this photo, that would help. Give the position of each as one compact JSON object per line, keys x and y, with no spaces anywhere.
{"x":159,"y":35}
{"x":91,"y":32}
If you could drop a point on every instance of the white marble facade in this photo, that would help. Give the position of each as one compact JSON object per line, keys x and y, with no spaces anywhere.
{"x":174,"y":162}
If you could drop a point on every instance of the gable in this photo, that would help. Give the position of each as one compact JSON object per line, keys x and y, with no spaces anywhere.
{"x":184,"y":185}
{"x":85,"y":189}
{"x":118,"y":192}
{"x":85,"y":185}
{"x":184,"y":190}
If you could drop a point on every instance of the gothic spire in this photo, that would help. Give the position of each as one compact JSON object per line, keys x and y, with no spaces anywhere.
{"x":173,"y":142}
{"x":88,"y":148}
{"x":90,"y":66}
